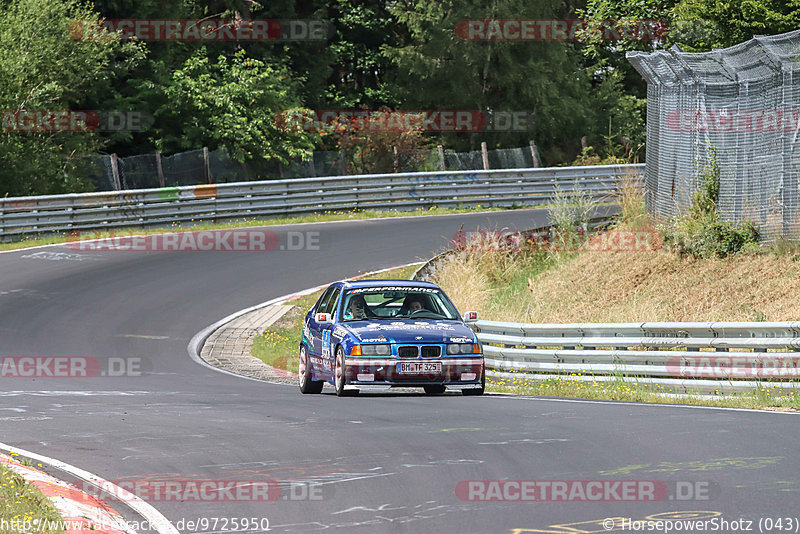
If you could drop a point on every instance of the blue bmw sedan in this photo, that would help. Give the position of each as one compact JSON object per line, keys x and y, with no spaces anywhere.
{"x":395,"y":333}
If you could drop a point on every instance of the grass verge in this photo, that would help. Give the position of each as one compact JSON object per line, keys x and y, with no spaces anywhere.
{"x":763,"y":397}
{"x":278,"y":345}
{"x":22,"y":502}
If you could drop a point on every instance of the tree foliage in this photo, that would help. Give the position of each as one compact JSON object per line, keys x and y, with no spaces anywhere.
{"x":230,"y":103}
{"x":43,"y":68}
{"x":403,"y":54}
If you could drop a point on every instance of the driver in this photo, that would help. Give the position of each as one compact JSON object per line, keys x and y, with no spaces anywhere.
{"x":415,"y":305}
{"x":412,"y":304}
{"x":357,"y":308}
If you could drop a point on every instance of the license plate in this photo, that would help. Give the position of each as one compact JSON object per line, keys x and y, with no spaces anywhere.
{"x":415,"y":368}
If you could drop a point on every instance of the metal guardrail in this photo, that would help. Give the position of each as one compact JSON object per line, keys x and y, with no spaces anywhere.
{"x":700,"y":358}
{"x":275,"y":198}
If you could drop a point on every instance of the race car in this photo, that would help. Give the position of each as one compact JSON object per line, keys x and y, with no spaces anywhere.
{"x":395,"y":333}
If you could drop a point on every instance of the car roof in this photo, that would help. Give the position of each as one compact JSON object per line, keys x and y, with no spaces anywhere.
{"x":383,"y":282}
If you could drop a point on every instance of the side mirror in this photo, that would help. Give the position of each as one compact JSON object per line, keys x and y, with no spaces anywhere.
{"x":470,"y":317}
{"x":323,"y":318}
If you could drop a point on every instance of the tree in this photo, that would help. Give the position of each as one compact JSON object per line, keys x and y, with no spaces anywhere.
{"x":725,"y":24}
{"x":43,"y":68}
{"x":440,"y":70}
{"x":233,"y":103}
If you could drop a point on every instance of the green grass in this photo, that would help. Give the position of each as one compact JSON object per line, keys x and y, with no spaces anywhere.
{"x":618,"y":390}
{"x":20,"y":501}
{"x":511,"y":278}
{"x":35,"y":240}
{"x":278,"y":345}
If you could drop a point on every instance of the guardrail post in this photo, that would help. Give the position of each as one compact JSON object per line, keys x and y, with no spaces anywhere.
{"x":205,"y":164}
{"x":159,"y":170}
{"x":535,"y":155}
{"x":115,"y":172}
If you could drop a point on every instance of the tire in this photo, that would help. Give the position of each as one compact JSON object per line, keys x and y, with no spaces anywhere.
{"x":434,"y":389}
{"x":476,"y":391}
{"x":304,"y":370}
{"x":339,"y":373}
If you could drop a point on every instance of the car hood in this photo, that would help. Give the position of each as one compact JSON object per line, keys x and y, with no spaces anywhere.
{"x":410,"y":331}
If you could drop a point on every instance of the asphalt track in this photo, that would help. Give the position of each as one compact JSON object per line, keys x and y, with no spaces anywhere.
{"x":387,"y":463}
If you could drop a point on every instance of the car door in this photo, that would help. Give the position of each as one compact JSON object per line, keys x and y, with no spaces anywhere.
{"x":325,"y":331}
{"x":314,"y":328}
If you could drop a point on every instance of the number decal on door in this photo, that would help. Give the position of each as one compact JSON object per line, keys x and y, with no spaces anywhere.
{"x":326,"y":342}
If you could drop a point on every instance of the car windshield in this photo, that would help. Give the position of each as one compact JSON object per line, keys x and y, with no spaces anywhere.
{"x":396,"y":302}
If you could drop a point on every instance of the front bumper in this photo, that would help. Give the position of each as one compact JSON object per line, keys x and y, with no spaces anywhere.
{"x":461,"y":371}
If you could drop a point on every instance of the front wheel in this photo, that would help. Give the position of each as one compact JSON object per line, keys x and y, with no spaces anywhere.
{"x":339,"y":372}
{"x":304,"y":370}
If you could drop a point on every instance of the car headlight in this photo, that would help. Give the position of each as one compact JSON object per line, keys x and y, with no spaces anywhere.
{"x":460,"y":348}
{"x":376,"y":350}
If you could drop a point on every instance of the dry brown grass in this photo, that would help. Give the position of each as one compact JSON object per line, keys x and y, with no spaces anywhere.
{"x":660,"y":286}
{"x":464,"y":281}
{"x":630,"y":197}
{"x":637,"y":286}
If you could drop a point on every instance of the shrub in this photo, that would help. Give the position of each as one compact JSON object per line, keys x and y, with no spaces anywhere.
{"x":707,"y":235}
{"x":571,"y":209}
{"x":702,"y":233}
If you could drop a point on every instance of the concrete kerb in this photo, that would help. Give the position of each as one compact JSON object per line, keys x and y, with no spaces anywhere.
{"x":91,"y":510}
{"x":223,"y":363}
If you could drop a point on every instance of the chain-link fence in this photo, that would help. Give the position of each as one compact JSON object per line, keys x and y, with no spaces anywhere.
{"x":741,"y":102}
{"x":189,"y":168}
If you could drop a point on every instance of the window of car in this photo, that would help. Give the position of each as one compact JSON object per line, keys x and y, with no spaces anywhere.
{"x":329,"y":305}
{"x":324,"y":299}
{"x":393,"y":302}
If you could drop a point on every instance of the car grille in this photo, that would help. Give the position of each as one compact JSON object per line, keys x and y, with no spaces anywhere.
{"x":407,"y":352}
{"x":431,"y":351}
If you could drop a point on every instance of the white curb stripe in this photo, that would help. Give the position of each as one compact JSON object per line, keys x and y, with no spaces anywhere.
{"x":157,"y":521}
{"x":196,"y":343}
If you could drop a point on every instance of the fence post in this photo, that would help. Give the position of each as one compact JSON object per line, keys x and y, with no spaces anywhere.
{"x":205,"y":163}
{"x":485,"y":154}
{"x":160,"y":171}
{"x":395,"y":162}
{"x":441,"y":158}
{"x":535,"y":155}
{"x":115,"y":172}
